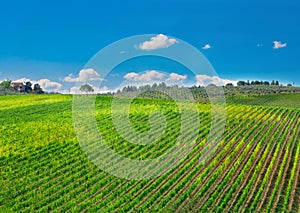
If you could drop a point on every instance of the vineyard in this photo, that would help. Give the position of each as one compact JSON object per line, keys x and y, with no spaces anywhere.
{"x":255,"y":167}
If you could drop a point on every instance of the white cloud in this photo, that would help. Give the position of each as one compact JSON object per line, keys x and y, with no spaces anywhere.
{"x":71,"y":78}
{"x":85,"y":75}
{"x":158,"y":42}
{"x":22,"y":80}
{"x":278,"y":45}
{"x":75,"y":90}
{"x":131,"y":76}
{"x":204,"y":80}
{"x":176,"y":77}
{"x":206,"y":47}
{"x":149,"y":75}
{"x":48,"y":85}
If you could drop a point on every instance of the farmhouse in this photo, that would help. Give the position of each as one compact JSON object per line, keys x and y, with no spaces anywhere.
{"x":18,"y":86}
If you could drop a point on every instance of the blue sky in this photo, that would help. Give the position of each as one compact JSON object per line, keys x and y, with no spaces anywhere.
{"x":49,"y":40}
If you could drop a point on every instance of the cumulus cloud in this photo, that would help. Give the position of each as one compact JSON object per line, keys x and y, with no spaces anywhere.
{"x":278,"y":45}
{"x":48,"y":85}
{"x":158,"y":42}
{"x":75,"y":90}
{"x":22,"y":80}
{"x":154,"y":75}
{"x":206,"y":47}
{"x":85,"y":75}
{"x":176,"y":77}
{"x":149,"y":75}
{"x":204,"y":80}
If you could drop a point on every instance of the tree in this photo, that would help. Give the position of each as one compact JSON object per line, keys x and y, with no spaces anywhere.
{"x":230,"y":85}
{"x":241,"y":83}
{"x":256,"y":83}
{"x":154,"y":86}
{"x":28,"y":87}
{"x":289,"y":85}
{"x":211,"y":86}
{"x":86,"y":88}
{"x":162,"y":86}
{"x":37,"y":89}
{"x":6,"y":84}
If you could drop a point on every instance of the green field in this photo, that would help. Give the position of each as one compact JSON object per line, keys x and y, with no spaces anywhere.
{"x":275,"y":100}
{"x":256,"y":166}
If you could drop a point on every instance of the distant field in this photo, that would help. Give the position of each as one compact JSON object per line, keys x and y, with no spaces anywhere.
{"x":256,"y":166}
{"x":276,"y":100}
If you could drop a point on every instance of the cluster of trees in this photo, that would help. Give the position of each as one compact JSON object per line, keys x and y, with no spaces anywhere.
{"x":36,"y":88}
{"x":259,"y":88}
{"x":144,"y":88}
{"x":7,"y":85}
{"x":247,"y":83}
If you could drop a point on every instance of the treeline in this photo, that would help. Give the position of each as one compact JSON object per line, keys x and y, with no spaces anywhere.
{"x":144,"y":88}
{"x":201,"y":93}
{"x":265,"y":83}
{"x":158,"y":91}
{"x":250,"y":90}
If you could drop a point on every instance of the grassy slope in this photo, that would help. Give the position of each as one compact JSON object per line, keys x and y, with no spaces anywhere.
{"x":276,"y":100}
{"x":42,"y":163}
